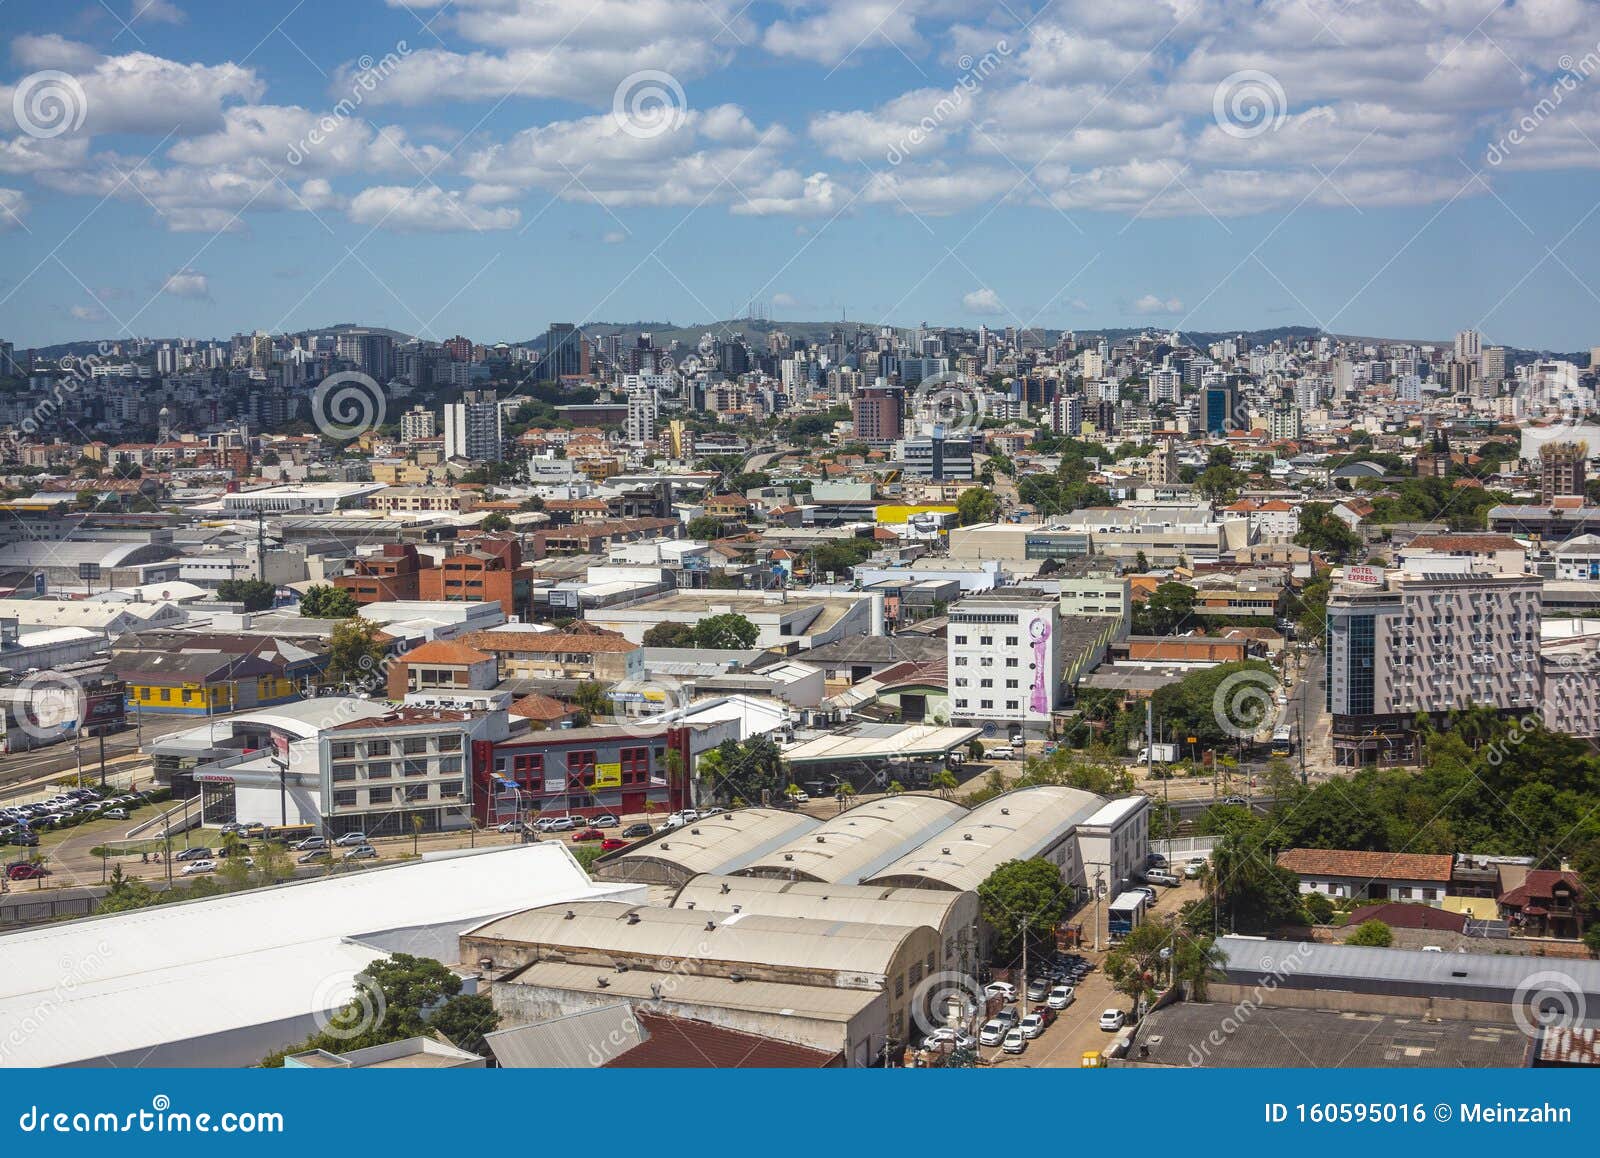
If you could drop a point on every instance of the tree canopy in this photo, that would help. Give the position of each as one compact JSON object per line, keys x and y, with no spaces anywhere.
{"x":325,"y":601}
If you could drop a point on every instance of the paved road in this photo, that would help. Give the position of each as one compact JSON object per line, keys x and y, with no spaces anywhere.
{"x":1077,"y":1028}
{"x":70,"y":756}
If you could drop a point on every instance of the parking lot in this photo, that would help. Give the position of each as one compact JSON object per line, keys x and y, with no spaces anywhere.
{"x":1077,"y":1029}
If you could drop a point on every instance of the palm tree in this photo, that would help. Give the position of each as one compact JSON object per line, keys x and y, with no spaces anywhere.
{"x":945,"y":782}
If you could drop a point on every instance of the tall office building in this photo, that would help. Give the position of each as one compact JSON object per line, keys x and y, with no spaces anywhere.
{"x":566,"y":353}
{"x":1562,"y":469}
{"x":644,"y":407}
{"x":472,"y":428}
{"x":1218,"y":409}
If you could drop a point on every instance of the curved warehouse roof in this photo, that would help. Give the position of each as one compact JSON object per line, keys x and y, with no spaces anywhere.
{"x":818,"y":900}
{"x":723,"y":843}
{"x":855,"y":844}
{"x":1015,"y":826}
{"x":717,"y":940}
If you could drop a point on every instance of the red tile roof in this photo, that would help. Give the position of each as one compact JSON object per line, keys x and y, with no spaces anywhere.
{"x":1371,"y":866}
{"x":1538,"y":886}
{"x":679,"y":1043}
{"x":446,"y":651}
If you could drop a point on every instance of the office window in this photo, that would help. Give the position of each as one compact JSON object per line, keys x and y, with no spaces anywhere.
{"x":344,"y":798}
{"x":380,"y":795}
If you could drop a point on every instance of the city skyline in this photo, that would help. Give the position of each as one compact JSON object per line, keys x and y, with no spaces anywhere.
{"x":465,"y":168}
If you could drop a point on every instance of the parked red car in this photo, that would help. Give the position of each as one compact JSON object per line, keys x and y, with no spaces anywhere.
{"x":588,"y":834}
{"x":26,"y":872}
{"x":611,"y":844}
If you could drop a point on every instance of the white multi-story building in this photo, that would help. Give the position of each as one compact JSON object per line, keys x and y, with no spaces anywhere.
{"x":1004,"y":651}
{"x":472,"y":427}
{"x":418,"y":425}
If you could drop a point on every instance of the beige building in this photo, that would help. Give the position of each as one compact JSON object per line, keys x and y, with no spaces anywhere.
{"x":859,"y":978}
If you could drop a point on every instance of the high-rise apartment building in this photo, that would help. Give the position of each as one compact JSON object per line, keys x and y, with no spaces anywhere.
{"x":1404,"y":643}
{"x":1469,"y":345}
{"x":878,"y":415}
{"x":418,"y":425}
{"x":472,"y":429}
{"x":1562,"y":469}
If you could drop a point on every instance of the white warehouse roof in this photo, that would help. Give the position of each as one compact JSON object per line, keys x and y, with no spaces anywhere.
{"x":224,"y":981}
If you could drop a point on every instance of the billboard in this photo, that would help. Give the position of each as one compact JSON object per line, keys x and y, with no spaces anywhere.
{"x":608,"y":776}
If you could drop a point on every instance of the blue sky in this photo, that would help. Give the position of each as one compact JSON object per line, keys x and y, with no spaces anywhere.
{"x":170,"y":168}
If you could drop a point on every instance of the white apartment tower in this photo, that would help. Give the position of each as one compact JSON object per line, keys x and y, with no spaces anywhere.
{"x":472,"y":429}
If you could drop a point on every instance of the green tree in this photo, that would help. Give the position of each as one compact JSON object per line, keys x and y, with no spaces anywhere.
{"x":591,"y":699}
{"x":355,"y":656}
{"x":727,"y":631}
{"x":1326,"y":533}
{"x":125,"y":893}
{"x":670,"y":634}
{"x":1168,"y":607}
{"x":398,"y":997}
{"x":1023,"y":898}
{"x":465,"y":1020}
{"x":496,"y":521}
{"x":704,"y":527}
{"x":327,"y":602}
{"x":1373,"y":933}
{"x":1159,"y":953}
{"x":977,"y":505}
{"x":944,"y":782}
{"x":255,"y":594}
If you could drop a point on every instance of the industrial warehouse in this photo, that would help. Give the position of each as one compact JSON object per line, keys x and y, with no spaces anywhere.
{"x":820,"y":935}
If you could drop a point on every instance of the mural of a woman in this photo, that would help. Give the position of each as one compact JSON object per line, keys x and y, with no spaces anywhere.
{"x":1039,"y":632}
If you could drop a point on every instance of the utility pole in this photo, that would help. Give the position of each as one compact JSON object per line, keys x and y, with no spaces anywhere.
{"x":261,"y":543}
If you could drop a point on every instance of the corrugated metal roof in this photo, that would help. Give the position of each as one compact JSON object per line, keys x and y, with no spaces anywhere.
{"x":1013,"y":826}
{"x":723,"y":843}
{"x":682,"y":934}
{"x":856,"y":843}
{"x":1472,"y":976}
{"x":817,"y":900}
{"x":571,"y":1042}
{"x":817,"y":1002}
{"x":880,"y":742}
